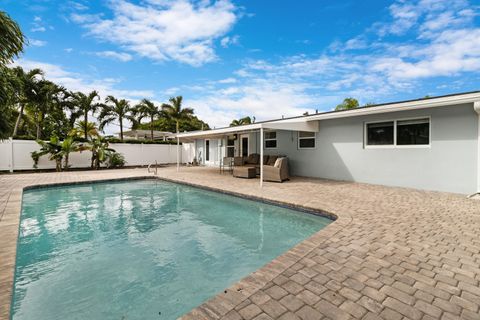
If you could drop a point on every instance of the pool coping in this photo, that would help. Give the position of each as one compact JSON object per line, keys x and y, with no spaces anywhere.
{"x":214,"y":307}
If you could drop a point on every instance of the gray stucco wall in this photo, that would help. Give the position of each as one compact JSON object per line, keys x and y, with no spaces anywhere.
{"x":450,"y":164}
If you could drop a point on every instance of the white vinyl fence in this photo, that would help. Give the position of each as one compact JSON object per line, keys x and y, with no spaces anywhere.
{"x":16,"y":155}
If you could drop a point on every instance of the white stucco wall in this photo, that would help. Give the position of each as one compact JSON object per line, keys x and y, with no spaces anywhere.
{"x":450,"y":164}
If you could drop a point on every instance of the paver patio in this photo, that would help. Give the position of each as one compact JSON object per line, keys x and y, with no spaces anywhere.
{"x":392,"y":253}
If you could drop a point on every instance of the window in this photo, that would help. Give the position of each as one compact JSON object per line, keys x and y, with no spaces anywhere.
{"x":230,"y":147}
{"x":397,"y":133}
{"x":380,"y":133}
{"x":306,"y":140}
{"x":413,"y":132}
{"x":207,"y":150}
{"x":270,"y":140}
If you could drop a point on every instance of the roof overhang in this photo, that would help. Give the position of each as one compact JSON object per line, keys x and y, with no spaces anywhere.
{"x":310,"y":123}
{"x":287,"y":124}
{"x":400,"y":106}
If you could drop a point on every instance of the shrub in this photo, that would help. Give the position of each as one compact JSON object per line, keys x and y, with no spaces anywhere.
{"x":115,"y":160}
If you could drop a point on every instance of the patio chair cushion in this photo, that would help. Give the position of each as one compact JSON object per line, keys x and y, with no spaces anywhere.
{"x":271,"y":160}
{"x":278,"y":162}
{"x":253,"y":158}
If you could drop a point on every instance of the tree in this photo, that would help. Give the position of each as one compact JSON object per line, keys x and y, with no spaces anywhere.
{"x":68,"y":146}
{"x":11,"y":39}
{"x":348,"y":103}
{"x":85,"y":104}
{"x":42,"y":102}
{"x":241,"y":121}
{"x":114,"y":109}
{"x":26,"y":84}
{"x":147,"y":108}
{"x":100,"y":150}
{"x":53,"y":148}
{"x":175,"y":112}
{"x":79,"y":130}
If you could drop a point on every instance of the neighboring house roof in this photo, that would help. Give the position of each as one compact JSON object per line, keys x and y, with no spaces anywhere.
{"x":303,"y":123}
{"x":142,"y":133}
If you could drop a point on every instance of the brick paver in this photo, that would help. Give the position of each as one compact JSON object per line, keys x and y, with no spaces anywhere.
{"x":392,"y":253}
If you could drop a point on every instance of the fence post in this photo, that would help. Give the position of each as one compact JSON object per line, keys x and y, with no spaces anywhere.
{"x":11,"y":154}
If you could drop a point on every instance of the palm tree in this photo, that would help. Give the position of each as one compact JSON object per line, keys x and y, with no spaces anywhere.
{"x":85,"y":104}
{"x":53,"y":148}
{"x":68,"y":146}
{"x":174,"y":111}
{"x":241,"y":121}
{"x":12,"y":39}
{"x":147,"y":108}
{"x":41,"y":101}
{"x":79,"y":130}
{"x":114,"y":109}
{"x":26,"y":85}
{"x":100,"y":150}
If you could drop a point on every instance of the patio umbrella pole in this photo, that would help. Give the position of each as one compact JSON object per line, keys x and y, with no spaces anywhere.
{"x":178,"y":149}
{"x":261,"y":157}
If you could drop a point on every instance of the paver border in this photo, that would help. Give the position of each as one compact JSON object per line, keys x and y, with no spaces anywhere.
{"x":216,"y":306}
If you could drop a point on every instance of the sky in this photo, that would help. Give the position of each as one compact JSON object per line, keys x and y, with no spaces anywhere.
{"x":266,"y":59}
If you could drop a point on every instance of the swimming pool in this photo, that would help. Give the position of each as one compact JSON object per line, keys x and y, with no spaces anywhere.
{"x":143,"y":249}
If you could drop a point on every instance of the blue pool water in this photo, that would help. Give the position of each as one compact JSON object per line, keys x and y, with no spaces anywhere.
{"x":143,"y":249}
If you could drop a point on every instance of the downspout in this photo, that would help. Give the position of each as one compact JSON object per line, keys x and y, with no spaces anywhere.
{"x":476,"y":107}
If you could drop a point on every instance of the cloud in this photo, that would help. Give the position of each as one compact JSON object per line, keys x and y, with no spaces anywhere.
{"x":120,"y":56}
{"x":37,"y":43}
{"x":164,"y":30}
{"x":228,"y":41}
{"x":78,"y":82}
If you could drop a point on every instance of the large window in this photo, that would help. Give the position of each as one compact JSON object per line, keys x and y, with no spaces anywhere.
{"x":411,"y":132}
{"x":270,"y":140}
{"x":380,"y":133}
{"x":306,"y":140}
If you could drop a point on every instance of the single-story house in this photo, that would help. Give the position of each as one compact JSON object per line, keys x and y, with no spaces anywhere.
{"x":431,"y":143}
{"x":146,"y":135}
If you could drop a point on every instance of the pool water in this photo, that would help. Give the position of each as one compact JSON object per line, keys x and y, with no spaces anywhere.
{"x":143,"y":249}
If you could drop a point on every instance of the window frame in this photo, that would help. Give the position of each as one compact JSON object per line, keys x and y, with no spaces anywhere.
{"x":265,"y":141}
{"x":395,"y":145}
{"x":304,"y":138}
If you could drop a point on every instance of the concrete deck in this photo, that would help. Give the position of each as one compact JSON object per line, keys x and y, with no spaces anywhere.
{"x":393,"y":253}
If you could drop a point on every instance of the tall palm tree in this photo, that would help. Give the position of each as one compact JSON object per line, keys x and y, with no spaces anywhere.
{"x":11,"y":40}
{"x":85,"y":104}
{"x":26,"y":85}
{"x":147,"y":108}
{"x":41,"y":101}
{"x":174,"y":111}
{"x":114,"y":109}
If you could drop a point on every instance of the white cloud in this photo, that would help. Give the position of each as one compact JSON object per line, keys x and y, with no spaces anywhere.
{"x":164,"y":30}
{"x":227,"y":80}
{"x":37,"y":43}
{"x":121,"y":56}
{"x":77,"y":82}
{"x":228,"y":41}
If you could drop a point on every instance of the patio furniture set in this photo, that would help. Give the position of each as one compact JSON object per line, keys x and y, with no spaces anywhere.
{"x":275,"y":167}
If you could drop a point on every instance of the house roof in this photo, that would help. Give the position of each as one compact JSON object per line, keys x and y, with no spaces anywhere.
{"x":305,"y":122}
{"x":133,"y":133}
